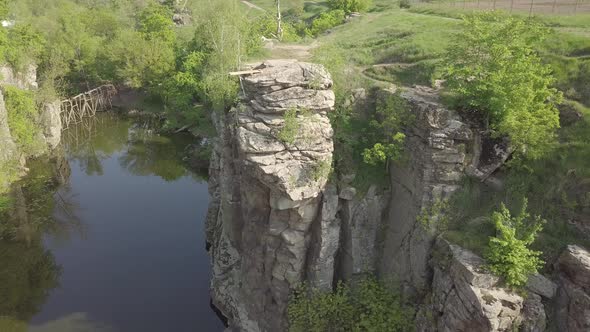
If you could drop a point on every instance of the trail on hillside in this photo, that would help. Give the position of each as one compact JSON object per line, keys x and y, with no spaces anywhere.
{"x":299,"y":52}
{"x":251,"y":5}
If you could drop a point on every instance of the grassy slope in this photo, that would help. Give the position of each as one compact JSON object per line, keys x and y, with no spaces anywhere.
{"x":411,"y":42}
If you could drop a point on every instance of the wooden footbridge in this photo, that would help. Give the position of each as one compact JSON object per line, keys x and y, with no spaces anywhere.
{"x":86,"y":104}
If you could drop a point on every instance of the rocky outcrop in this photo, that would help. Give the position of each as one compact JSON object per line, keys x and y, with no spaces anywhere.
{"x":8,"y":150}
{"x":25,"y":79}
{"x":465,"y":297}
{"x":271,"y":211}
{"x":573,"y":295}
{"x":437,"y":157}
{"x":50,"y":119}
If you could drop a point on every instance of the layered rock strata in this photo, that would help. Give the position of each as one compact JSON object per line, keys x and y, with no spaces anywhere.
{"x":272,"y":221}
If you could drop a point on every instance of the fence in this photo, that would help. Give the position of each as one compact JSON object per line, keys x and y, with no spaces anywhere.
{"x":561,"y":7}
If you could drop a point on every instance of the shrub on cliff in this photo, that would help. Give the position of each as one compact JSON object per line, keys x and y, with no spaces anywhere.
{"x":509,"y":255}
{"x":22,"y":119}
{"x":366,"y":306}
{"x":495,"y":73}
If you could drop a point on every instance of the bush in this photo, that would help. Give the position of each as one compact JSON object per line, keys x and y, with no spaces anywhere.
{"x":368,"y":306}
{"x":23,"y":46}
{"x":349,"y":6}
{"x":386,"y":139}
{"x":290,"y":128}
{"x":22,"y":119}
{"x":405,"y":4}
{"x":326,"y":21}
{"x":496,"y":74}
{"x":508,"y":253}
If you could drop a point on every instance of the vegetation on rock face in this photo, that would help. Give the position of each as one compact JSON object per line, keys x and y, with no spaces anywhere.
{"x":509,"y":255}
{"x":496,"y":74}
{"x":22,"y":119}
{"x":392,"y":114}
{"x":366,"y":305}
{"x":290,"y":129}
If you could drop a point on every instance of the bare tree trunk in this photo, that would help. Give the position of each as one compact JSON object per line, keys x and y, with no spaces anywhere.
{"x":279,"y":28}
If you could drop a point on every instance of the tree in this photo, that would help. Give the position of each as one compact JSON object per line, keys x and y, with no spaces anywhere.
{"x":349,"y":6}
{"x":508,"y":253}
{"x":495,"y":73}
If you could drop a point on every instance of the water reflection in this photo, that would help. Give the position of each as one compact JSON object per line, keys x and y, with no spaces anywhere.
{"x":29,"y":271}
{"x":87,"y":227}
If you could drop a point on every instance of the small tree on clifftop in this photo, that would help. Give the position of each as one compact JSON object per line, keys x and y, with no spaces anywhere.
{"x":494,"y":71}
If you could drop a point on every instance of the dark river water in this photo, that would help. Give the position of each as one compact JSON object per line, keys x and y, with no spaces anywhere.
{"x":108,"y":235}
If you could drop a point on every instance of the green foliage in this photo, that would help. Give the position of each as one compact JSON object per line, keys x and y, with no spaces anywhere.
{"x":435,"y":216}
{"x":381,"y":152}
{"x":349,"y":6}
{"x":22,"y":119}
{"x":155,"y":22}
{"x":495,"y":72}
{"x":508,"y":254}
{"x":321,"y":170}
{"x":366,"y":306}
{"x":325,"y":21}
{"x":391,"y":115}
{"x":23,"y":46}
{"x":288,"y":133}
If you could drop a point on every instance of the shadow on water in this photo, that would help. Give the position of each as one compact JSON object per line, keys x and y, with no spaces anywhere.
{"x":44,"y":205}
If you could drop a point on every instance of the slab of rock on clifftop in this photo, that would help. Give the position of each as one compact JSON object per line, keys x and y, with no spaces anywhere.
{"x":573,"y":295}
{"x":271,"y":221}
{"x":465,"y":297}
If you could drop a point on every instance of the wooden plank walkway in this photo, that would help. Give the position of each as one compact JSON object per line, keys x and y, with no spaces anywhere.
{"x":86,"y":104}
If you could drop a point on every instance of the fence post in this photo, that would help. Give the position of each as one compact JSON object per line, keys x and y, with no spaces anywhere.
{"x":511,"y":5}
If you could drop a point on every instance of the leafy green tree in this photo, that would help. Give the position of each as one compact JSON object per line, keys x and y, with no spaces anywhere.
{"x":496,"y":74}
{"x":509,"y":255}
{"x":155,"y":22}
{"x":326,"y":21}
{"x":385,"y":137}
{"x":349,"y":6}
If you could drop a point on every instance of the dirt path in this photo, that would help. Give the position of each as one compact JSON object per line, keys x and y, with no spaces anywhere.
{"x":291,"y":51}
{"x":251,"y":5}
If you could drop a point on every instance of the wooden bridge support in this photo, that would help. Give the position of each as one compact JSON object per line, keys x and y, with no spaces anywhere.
{"x":86,"y":104}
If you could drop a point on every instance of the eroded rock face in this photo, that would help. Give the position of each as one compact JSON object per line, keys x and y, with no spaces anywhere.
{"x":437,"y":158}
{"x":8,"y":148}
{"x":573,"y":295}
{"x":465,"y":297}
{"x":270,"y":211}
{"x":51,"y":122}
{"x":25,"y":80}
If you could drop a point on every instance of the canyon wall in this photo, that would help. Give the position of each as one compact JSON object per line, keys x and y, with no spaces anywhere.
{"x":276,"y":219}
{"x":272,"y":220}
{"x":49,"y":121}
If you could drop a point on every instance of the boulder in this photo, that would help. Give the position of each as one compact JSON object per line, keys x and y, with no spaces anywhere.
{"x":465,"y":297}
{"x":573,"y":295}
